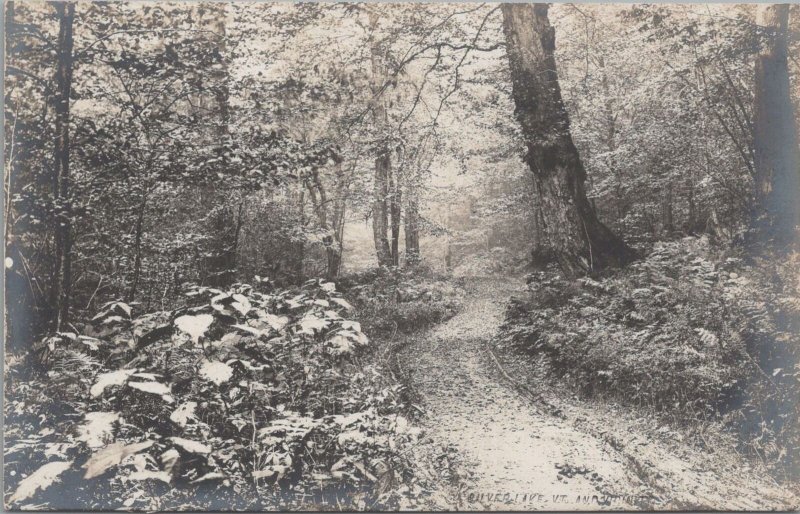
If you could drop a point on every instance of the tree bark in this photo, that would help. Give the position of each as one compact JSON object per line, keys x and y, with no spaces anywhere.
{"x":395,"y":211}
{"x":380,"y":218}
{"x":542,"y":252}
{"x":9,"y":154}
{"x":611,"y":142}
{"x":412,"y":227}
{"x":383,"y":161}
{"x":63,"y":225}
{"x":667,"y":218}
{"x":776,"y":213}
{"x":337,"y":223}
{"x":226,"y":227}
{"x":333,"y":224}
{"x":580,"y":242}
{"x":299,"y":253}
{"x":137,"y":262}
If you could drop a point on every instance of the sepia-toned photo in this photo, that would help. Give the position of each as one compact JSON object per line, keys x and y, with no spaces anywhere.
{"x":274,"y":256}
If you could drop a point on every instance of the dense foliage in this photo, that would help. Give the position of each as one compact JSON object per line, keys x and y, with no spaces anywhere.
{"x":689,"y":332}
{"x":160,"y":155}
{"x":241,"y":399}
{"x":657,"y":130}
{"x":402,"y":301}
{"x":211,"y":143}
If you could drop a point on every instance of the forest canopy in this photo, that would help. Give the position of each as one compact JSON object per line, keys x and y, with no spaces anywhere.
{"x":209,"y":143}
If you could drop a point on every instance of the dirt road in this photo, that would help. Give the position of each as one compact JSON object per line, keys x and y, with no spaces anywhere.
{"x":514,"y":453}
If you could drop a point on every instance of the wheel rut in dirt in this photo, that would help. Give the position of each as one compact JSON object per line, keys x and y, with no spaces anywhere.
{"x":512,"y":453}
{"x":517,"y":456}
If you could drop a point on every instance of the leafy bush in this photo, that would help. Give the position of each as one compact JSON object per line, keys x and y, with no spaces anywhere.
{"x":401,"y":301}
{"x":238,"y":400}
{"x":682,"y":332}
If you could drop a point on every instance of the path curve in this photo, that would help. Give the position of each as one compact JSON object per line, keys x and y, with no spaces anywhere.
{"x":516,"y":456}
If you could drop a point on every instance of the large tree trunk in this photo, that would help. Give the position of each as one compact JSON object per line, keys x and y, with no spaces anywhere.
{"x":383,"y":161}
{"x":580,"y":242}
{"x":542,"y":253}
{"x":63,"y":240}
{"x":777,"y":158}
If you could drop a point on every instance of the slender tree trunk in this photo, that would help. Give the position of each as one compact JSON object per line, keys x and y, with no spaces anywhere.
{"x":340,"y":242}
{"x":66,"y":15}
{"x":611,"y":141}
{"x":412,"y":227}
{"x":298,"y":259}
{"x":667,"y":220}
{"x":380,"y":218}
{"x":222,"y":265}
{"x":395,"y":210}
{"x":333,"y":224}
{"x":383,"y":161}
{"x":777,"y":157}
{"x":579,"y":240}
{"x":691,"y":217}
{"x":336,"y":246}
{"x":225,"y":228}
{"x":137,"y":262}
{"x":691,"y":222}
{"x":333,"y":257}
{"x":237,"y":232}
{"x":9,"y":169}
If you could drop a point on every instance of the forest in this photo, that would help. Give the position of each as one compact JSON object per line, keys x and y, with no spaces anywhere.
{"x":301,"y":256}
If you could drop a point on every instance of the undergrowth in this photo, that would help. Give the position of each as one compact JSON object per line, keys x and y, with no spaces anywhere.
{"x":245,"y":399}
{"x":393,"y":305}
{"x":687,"y":333}
{"x":401,"y":301}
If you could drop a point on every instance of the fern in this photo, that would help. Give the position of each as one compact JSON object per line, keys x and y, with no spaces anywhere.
{"x":790,"y":303}
{"x":707,"y":337}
